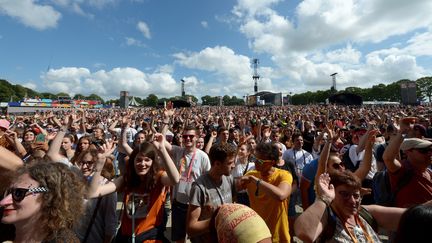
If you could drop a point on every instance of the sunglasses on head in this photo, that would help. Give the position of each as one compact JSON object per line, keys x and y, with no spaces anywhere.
{"x":18,"y":194}
{"x":185,"y":136}
{"x":338,"y":166}
{"x":424,"y":150}
{"x":254,"y":159}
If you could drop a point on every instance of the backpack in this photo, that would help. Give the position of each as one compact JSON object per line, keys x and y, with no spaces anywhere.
{"x":383,"y":194}
{"x":346,"y":160}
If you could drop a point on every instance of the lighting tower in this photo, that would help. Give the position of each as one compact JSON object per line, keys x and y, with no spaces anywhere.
{"x":334,"y":80}
{"x":183,"y":94}
{"x":255,"y":76}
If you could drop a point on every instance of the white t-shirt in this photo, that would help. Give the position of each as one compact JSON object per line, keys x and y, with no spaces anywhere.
{"x":297,"y":157}
{"x":201,"y":164}
{"x":130,"y":133}
{"x":357,"y":157}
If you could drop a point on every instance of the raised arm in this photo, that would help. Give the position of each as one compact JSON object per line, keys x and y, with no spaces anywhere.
{"x":213,"y":136}
{"x":9,"y":160}
{"x":366,"y":163}
{"x":95,"y":189}
{"x":391,"y":153}
{"x":279,"y":192}
{"x":53,"y":151}
{"x":12,"y":137}
{"x":325,"y":153}
{"x":171,"y":177}
{"x":124,"y":146}
{"x":310,"y":224}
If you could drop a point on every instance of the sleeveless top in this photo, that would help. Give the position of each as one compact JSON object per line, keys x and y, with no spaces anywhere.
{"x":148,"y":208}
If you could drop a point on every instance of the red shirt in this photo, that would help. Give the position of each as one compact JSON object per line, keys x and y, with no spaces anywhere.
{"x":418,"y":190}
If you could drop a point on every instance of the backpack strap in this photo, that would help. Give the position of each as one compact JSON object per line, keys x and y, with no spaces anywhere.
{"x":366,"y":215}
{"x":92,"y":220}
{"x":329,"y":228}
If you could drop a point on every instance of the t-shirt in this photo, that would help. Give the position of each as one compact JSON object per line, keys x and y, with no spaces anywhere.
{"x":358,"y":157}
{"x":297,"y":157}
{"x":206,"y":194}
{"x":200,"y":165}
{"x":418,"y":189}
{"x":309,"y":173}
{"x":148,"y":208}
{"x":274,"y":212}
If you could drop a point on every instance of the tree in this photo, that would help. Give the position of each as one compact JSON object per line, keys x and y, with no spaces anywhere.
{"x":62,"y":94}
{"x":79,"y":97}
{"x":95,"y":97}
{"x":424,"y":85}
{"x":152,"y":100}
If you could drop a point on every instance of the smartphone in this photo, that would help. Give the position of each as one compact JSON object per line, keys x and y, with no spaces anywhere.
{"x":40,"y":138}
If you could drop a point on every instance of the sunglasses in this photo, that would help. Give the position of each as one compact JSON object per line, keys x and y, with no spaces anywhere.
{"x":254,"y":159}
{"x":347,"y":195}
{"x":18,"y":194}
{"x":185,"y":136}
{"x":424,"y":150}
{"x":338,"y":166}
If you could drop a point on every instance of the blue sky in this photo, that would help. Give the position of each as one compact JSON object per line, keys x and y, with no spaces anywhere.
{"x":148,"y":46}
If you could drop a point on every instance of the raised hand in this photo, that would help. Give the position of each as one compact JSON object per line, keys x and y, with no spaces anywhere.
{"x":325,"y":190}
{"x":158,"y":141}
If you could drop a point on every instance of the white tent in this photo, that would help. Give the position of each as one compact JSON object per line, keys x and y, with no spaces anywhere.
{"x":133,"y":102}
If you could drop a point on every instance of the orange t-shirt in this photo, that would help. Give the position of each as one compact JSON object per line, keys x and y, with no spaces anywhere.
{"x":149,"y":208}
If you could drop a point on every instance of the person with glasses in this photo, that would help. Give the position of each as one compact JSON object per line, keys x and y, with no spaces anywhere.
{"x":99,"y":224}
{"x":191,"y":163}
{"x":414,"y":172}
{"x":44,"y":202}
{"x":337,"y":214}
{"x":269,"y":189}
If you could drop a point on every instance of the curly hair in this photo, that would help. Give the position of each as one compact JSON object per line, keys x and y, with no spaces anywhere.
{"x":132,"y":180}
{"x":62,"y":205}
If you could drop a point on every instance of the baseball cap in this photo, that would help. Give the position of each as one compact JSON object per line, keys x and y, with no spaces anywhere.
{"x":4,"y":123}
{"x":415,"y":143}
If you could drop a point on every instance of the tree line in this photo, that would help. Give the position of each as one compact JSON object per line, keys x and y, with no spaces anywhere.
{"x":380,"y":92}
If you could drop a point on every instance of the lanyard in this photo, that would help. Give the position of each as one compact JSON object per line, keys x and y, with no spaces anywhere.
{"x":190,"y":165}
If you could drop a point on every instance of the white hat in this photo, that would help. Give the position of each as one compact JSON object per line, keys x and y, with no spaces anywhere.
{"x":411,"y":143}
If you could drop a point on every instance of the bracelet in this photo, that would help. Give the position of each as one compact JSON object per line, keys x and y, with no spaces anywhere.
{"x":257,"y":187}
{"x":320,"y":198}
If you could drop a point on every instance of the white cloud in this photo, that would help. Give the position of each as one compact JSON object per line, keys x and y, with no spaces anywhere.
{"x":231,"y":73}
{"x":134,"y":42}
{"x":74,"y":80}
{"x":306,"y":47}
{"x":144,"y":29}
{"x":204,"y":24}
{"x":30,"y":13}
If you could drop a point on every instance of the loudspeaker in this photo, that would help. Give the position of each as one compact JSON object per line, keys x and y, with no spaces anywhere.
{"x":124,"y":99}
{"x":408,"y":93}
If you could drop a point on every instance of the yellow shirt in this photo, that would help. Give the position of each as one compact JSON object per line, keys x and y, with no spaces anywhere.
{"x":274,"y":212}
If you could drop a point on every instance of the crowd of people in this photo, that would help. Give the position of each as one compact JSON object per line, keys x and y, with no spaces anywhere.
{"x":222,"y":174}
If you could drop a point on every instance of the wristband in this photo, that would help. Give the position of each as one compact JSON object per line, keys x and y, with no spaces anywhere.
{"x":257,"y":187}
{"x":320,"y":198}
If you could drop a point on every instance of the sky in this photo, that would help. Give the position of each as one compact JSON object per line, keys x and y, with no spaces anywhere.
{"x":148,"y":46}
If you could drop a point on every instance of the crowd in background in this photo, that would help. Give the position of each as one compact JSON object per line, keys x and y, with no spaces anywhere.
{"x":252,"y":174}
